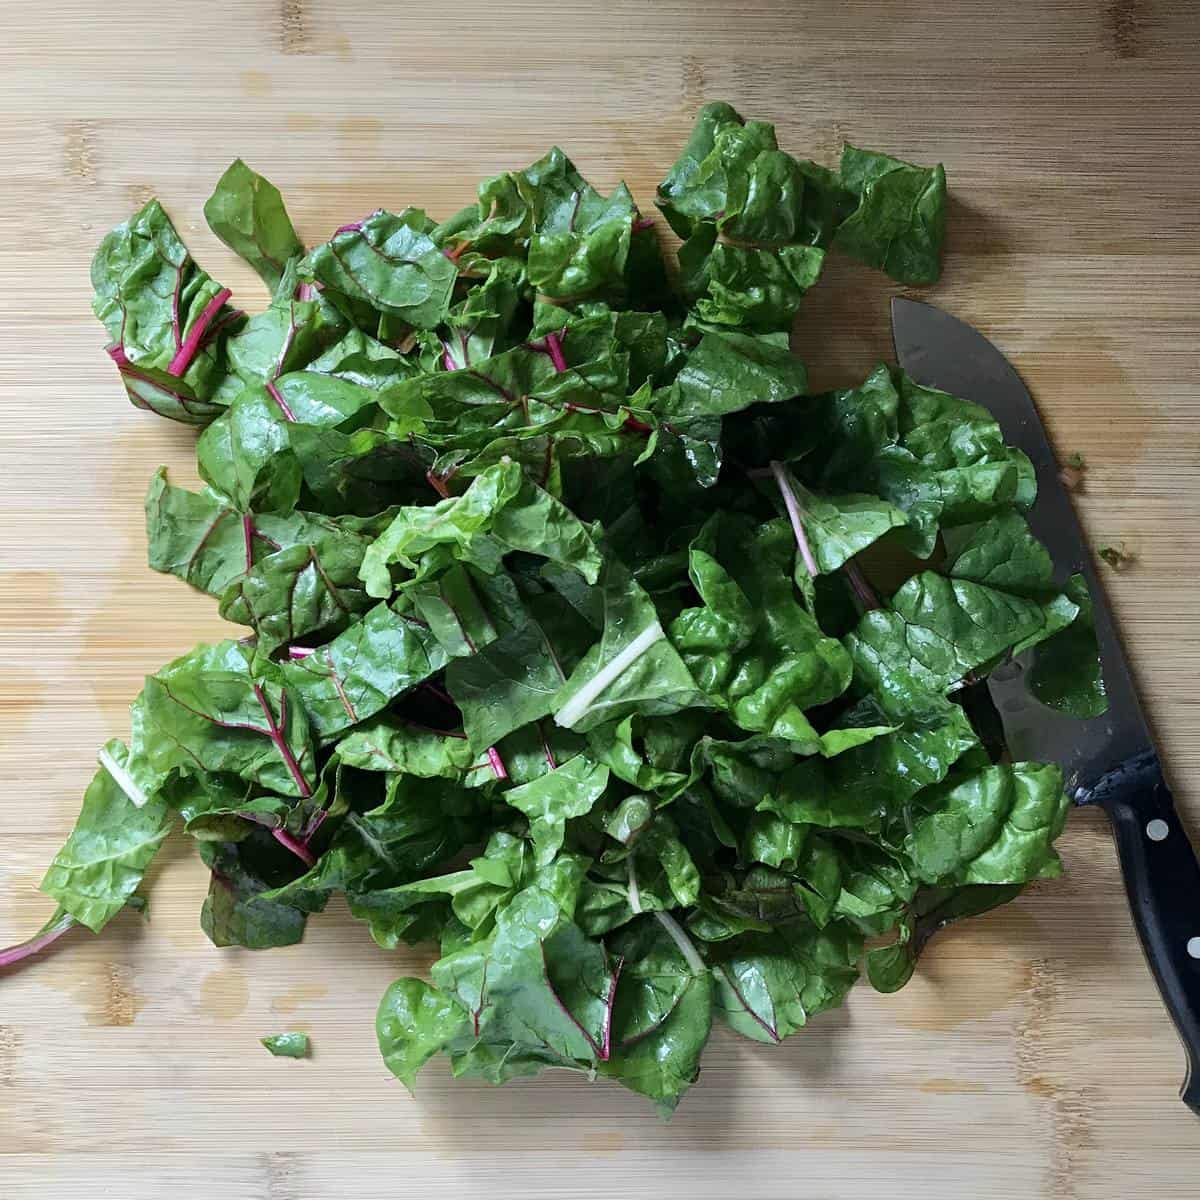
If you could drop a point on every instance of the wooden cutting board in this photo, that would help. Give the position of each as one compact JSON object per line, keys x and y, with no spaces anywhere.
{"x":1030,"y":1057}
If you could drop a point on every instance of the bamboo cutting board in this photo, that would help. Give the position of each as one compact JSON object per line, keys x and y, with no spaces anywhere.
{"x":1030,"y":1057}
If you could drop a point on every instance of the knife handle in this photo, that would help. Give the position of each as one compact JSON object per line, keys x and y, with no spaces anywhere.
{"x":1162,"y":879}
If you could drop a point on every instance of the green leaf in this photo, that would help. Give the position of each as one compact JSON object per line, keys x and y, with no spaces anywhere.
{"x":244,"y":455}
{"x":358,"y":673}
{"x":570,"y":790}
{"x":195,"y":535}
{"x":693,"y":183}
{"x":220,"y":808}
{"x":297,"y":329}
{"x":614,"y":746}
{"x":890,"y":967}
{"x":364,"y":471}
{"x":1002,"y":553}
{"x":963,"y":445}
{"x":581,"y":239}
{"x":661,"y":1019}
{"x":393,"y":744}
{"x":1067,"y":674}
{"x":900,"y":221}
{"x":839,"y":527}
{"x":744,"y":287}
{"x":938,"y":629}
{"x":514,"y":681}
{"x":473,"y":896}
{"x":935,"y":908}
{"x":993,"y":826}
{"x":287,"y":1045}
{"x":168,"y":319}
{"x":538,"y":981}
{"x":733,"y":174}
{"x":768,"y":985}
{"x":775,"y":842}
{"x":418,"y":826}
{"x":389,"y":263}
{"x":453,"y":610}
{"x":867,"y":787}
{"x":854,"y":426}
{"x":415,"y":1022}
{"x":657,"y":867}
{"x":308,"y":588}
{"x":216,"y":710}
{"x":756,"y":221}
{"x":938,"y":458}
{"x":287,"y":574}
{"x":114,"y":839}
{"x":632,"y":668}
{"x":246,"y":212}
{"x":506,"y":685}
{"x":753,"y":647}
{"x":500,"y":512}
{"x":728,"y":372}
{"x":235,"y":912}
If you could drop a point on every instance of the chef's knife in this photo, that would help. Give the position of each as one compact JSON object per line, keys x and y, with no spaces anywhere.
{"x":1109,"y":760}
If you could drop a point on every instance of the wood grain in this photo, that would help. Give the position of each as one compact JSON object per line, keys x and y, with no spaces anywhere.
{"x":1030,"y":1057}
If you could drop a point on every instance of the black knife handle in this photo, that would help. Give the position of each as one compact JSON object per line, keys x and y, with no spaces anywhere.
{"x":1162,"y":879}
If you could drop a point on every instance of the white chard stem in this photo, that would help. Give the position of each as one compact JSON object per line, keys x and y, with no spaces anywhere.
{"x":608,"y":674}
{"x":684,"y":943}
{"x":122,"y":778}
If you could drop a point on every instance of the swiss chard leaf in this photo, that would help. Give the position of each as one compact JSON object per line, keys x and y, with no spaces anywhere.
{"x":235,"y":912}
{"x":580,"y":242}
{"x":733,"y":175}
{"x":168,"y":320}
{"x":506,"y":685}
{"x":661,"y":1019}
{"x":244,"y":454}
{"x":537,"y":982}
{"x":633,"y":668}
{"x":287,"y":1045}
{"x":404,"y":747}
{"x":415,"y":1022}
{"x":570,"y":790}
{"x":900,"y":221}
{"x":833,"y":529}
{"x":727,"y":372}
{"x":1067,"y":674}
{"x":992,"y":826}
{"x":768,"y":985}
{"x":940,"y":459}
{"x":197,"y":536}
{"x":222,"y":808}
{"x":115,"y":837}
{"x":753,"y":646}
{"x":247,"y":213}
{"x":302,"y":589}
{"x":390,"y":264}
{"x":501,"y":511}
{"x":420,"y":824}
{"x":363,"y":669}
{"x":218,"y":710}
{"x":937,"y":629}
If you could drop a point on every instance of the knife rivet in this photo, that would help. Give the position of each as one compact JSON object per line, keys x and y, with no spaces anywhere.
{"x":1193,"y":947}
{"x":1157,"y":831}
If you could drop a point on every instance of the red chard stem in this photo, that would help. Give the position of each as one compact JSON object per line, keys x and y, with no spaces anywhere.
{"x":187,"y":350}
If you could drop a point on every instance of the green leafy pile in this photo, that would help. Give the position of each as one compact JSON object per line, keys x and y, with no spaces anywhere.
{"x":571,"y":646}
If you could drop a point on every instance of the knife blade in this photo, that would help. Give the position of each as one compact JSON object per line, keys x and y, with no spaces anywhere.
{"x":1109,"y":760}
